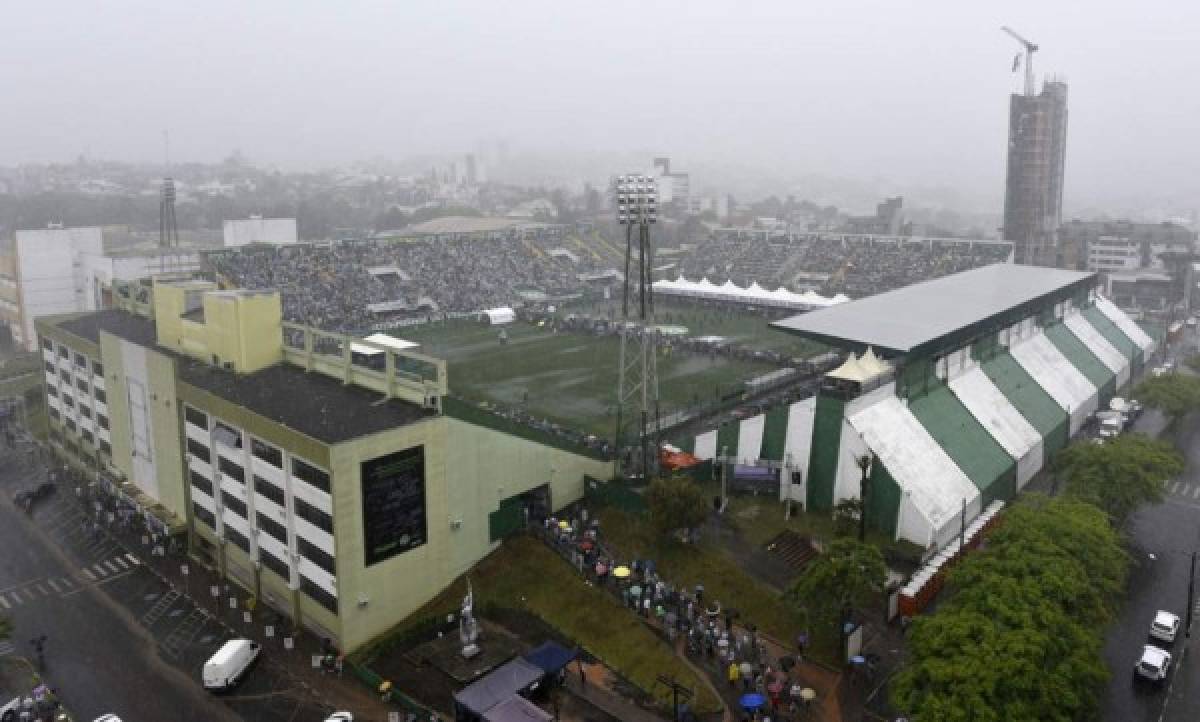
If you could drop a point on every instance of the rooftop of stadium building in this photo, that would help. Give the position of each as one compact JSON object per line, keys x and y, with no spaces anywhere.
{"x":920,"y":316}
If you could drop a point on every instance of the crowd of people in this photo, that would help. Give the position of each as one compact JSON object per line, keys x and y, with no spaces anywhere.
{"x":714,"y":636}
{"x":331,"y":286}
{"x":835,"y":263}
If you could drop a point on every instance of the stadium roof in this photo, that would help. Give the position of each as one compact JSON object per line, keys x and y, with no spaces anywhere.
{"x":919,"y":317}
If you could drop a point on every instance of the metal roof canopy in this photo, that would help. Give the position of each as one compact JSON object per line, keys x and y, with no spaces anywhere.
{"x":941,"y":311}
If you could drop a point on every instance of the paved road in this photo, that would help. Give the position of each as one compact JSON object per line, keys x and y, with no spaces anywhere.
{"x":1169,"y":531}
{"x":96,"y":656}
{"x":122,"y":640}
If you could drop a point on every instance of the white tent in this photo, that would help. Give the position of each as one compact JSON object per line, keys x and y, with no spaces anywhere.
{"x":499,"y":316}
{"x":754,"y":294}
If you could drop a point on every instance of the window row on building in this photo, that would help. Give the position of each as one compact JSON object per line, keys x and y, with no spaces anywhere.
{"x":238,"y":482}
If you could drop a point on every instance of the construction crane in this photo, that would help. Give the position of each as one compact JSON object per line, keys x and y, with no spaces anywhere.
{"x":1030,"y":49}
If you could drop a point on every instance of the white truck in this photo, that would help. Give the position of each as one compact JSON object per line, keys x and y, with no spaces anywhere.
{"x":1112,"y":423}
{"x":227,"y":667}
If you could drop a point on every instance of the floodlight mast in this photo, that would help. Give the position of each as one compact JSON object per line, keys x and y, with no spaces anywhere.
{"x":636,"y":198}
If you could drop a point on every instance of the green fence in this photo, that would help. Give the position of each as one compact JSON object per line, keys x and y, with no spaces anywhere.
{"x":367,"y":676}
{"x":616,"y":494}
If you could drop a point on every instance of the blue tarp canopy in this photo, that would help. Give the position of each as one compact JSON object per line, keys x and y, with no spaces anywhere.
{"x":516,"y":709}
{"x":498,"y":686}
{"x":551,"y":657}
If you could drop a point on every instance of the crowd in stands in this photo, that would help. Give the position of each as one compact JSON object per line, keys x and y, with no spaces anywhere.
{"x":331,"y":285}
{"x":834,"y":263}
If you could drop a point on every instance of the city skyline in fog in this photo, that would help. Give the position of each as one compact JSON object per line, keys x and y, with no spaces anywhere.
{"x":903,"y":97}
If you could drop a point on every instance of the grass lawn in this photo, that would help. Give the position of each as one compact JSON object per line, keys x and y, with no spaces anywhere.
{"x":570,"y":379}
{"x":705,"y":563}
{"x":741,"y":327}
{"x":524,"y":574}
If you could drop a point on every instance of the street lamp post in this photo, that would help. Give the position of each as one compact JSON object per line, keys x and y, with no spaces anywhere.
{"x":864,"y":464}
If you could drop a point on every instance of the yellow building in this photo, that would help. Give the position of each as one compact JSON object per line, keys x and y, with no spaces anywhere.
{"x":342,"y":488}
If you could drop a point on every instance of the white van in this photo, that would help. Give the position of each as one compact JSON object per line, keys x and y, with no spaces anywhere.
{"x":225,"y":668}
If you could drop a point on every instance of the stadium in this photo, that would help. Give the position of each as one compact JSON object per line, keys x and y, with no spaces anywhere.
{"x":555,"y":367}
{"x":247,"y":420}
{"x":954,"y":394}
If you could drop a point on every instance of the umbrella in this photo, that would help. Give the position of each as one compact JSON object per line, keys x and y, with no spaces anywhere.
{"x":808,"y":694}
{"x":752,"y":701}
{"x":776,"y":688}
{"x":621,"y":572}
{"x":563,"y":524}
{"x":601,"y":570}
{"x":858,"y":659}
{"x":585,"y":545}
{"x":635,"y":590}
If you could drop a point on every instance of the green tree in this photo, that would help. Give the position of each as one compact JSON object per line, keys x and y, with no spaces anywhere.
{"x":1020,"y":636}
{"x":848,"y":574}
{"x":1121,"y":474}
{"x":1176,"y":395}
{"x":675,"y":502}
{"x":6,"y":627}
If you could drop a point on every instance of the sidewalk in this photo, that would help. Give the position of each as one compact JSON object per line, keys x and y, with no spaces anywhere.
{"x":335,"y":691}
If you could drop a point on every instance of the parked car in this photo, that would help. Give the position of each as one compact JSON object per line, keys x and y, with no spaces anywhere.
{"x":340,"y":717}
{"x":108,"y":718}
{"x":1165,"y":626}
{"x":228,"y":666}
{"x":1154,"y":664}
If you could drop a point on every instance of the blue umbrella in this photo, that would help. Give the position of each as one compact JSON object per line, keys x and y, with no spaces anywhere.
{"x":858,"y":659}
{"x":752,"y":701}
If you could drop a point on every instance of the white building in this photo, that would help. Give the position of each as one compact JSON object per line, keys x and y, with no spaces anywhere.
{"x":257,"y":229}
{"x":1113,"y":253}
{"x":44,"y":272}
{"x":101,"y":271}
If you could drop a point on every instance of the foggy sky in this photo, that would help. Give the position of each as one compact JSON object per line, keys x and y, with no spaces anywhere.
{"x":916,"y":93}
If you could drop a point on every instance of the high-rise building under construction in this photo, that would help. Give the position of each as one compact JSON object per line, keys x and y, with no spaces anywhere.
{"x":1037,"y":143}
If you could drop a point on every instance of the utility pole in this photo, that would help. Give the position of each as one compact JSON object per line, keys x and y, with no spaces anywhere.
{"x":677,"y":690}
{"x":1191,"y":595}
{"x":864,"y":463}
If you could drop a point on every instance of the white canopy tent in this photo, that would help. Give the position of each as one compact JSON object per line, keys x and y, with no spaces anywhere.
{"x":754,"y":294}
{"x":499,"y":316}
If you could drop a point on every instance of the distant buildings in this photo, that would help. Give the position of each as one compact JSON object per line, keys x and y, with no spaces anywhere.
{"x":674,"y":188}
{"x":1118,"y":246}
{"x":257,"y":229}
{"x":1037,"y":142}
{"x":887,"y":221}
{"x":42,"y":272}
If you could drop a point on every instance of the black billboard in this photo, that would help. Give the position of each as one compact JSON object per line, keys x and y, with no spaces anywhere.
{"x":393,"y":496}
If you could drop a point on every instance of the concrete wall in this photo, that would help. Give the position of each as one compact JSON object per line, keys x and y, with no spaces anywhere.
{"x":260,"y":230}
{"x":48,"y":278}
{"x":144,"y":420}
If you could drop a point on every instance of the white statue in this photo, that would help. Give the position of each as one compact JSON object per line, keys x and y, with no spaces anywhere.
{"x":468,"y":628}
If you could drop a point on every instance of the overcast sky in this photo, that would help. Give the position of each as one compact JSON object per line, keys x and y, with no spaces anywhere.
{"x":912,"y":92}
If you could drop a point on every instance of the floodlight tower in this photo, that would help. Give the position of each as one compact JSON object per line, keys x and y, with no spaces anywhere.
{"x":168,"y":229}
{"x":637,"y":382}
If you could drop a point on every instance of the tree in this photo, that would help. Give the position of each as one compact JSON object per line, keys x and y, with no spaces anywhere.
{"x":1176,"y":395}
{"x":675,"y":503}
{"x":849,"y":574}
{"x":1121,"y":474}
{"x":1021,"y":634}
{"x":6,"y":627}
{"x":1193,"y":362}
{"x":847,"y":514}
